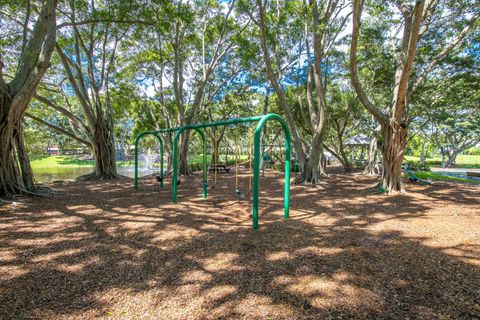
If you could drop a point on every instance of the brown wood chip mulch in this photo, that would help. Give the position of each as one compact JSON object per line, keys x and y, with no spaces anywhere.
{"x":100,"y":250}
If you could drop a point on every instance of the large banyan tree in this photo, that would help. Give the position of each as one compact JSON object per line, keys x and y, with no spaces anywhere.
{"x":19,"y":79}
{"x":436,"y":26}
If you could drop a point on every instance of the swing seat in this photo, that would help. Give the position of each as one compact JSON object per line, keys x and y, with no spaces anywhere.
{"x":239,"y":193}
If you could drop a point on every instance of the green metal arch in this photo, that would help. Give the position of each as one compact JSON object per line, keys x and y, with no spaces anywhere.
{"x":262,"y":120}
{"x":256,"y":165}
{"x":137,"y":140}
{"x":175,"y":160}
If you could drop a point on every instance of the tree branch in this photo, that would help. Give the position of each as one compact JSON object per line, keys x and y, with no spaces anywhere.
{"x":83,"y":101}
{"x":427,"y":17}
{"x":38,"y":44}
{"x":470,"y":26}
{"x":61,"y":130}
{"x":377,"y":113}
{"x":93,"y":21}
{"x":63,"y":111}
{"x":406,"y":58}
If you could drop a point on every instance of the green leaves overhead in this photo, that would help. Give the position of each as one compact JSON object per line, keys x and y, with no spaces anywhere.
{"x":175,"y":60}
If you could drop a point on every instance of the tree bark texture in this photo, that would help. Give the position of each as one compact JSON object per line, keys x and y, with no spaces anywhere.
{"x":34,"y":59}
{"x":371,"y":166}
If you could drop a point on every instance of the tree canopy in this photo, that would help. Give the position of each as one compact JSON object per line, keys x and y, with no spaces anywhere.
{"x":98,"y":72}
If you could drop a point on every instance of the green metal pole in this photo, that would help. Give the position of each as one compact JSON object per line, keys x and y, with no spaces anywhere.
{"x":210,"y":124}
{"x":204,"y":165}
{"x":286,"y":195}
{"x":161,"y":160}
{"x":175,"y":160}
{"x":256,"y":161}
{"x":204,"y":162}
{"x":136,"y":163}
{"x":214,"y":124}
{"x":256,"y":166}
{"x":175,"y":163}
{"x":256,"y":172}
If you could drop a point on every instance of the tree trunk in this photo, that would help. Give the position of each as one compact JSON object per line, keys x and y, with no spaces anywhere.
{"x":13,"y":179}
{"x":372,"y":158}
{"x":169,"y":162}
{"x":442,"y":150}
{"x":10,"y":181}
{"x":452,"y":158}
{"x":103,"y":148}
{"x":393,"y":147}
{"x":422,"y":155}
{"x":344,"y":159}
{"x":15,"y":97}
{"x":312,"y":168}
{"x":183,"y":154}
{"x":215,"y":147}
{"x":339,"y":158}
{"x":168,"y":152}
{"x":214,"y":155}
{"x":394,"y":122}
{"x":311,"y":173}
{"x":24,"y":161}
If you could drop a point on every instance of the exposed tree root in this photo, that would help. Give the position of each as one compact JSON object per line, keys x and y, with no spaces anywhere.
{"x":313,"y":181}
{"x":40,"y":191}
{"x":378,"y":188}
{"x":95,"y":177}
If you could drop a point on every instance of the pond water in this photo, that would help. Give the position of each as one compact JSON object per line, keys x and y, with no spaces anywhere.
{"x":59,"y":173}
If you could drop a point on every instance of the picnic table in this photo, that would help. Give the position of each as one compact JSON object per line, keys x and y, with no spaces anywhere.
{"x":219,"y":167}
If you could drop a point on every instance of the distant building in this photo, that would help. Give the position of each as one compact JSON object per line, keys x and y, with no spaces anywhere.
{"x":358,"y":145}
{"x":358,"y":141}
{"x":53,"y":150}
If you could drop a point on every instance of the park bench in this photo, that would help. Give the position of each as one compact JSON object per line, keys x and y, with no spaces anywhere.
{"x":473,"y":174}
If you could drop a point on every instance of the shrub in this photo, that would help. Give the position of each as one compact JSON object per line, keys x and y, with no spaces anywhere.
{"x":192,"y":167}
{"x":473,"y":152}
{"x":416,"y":166}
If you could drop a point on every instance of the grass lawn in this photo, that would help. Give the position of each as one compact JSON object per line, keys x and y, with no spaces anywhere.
{"x":46,"y":163}
{"x":463,"y":161}
{"x":43,"y":163}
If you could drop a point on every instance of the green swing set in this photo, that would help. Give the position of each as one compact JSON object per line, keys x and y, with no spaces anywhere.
{"x":255,"y":179}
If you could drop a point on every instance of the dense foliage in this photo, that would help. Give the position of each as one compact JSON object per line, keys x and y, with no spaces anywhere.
{"x":401,"y":75}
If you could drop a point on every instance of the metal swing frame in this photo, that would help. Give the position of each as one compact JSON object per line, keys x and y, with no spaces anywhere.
{"x":262,"y":120}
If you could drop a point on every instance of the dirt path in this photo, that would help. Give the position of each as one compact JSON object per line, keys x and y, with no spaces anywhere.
{"x":103,"y":251}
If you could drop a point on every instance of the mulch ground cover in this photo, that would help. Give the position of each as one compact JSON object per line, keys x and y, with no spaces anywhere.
{"x":101,"y":250}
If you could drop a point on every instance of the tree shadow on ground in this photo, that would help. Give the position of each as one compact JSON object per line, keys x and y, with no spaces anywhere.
{"x":104,"y":251}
